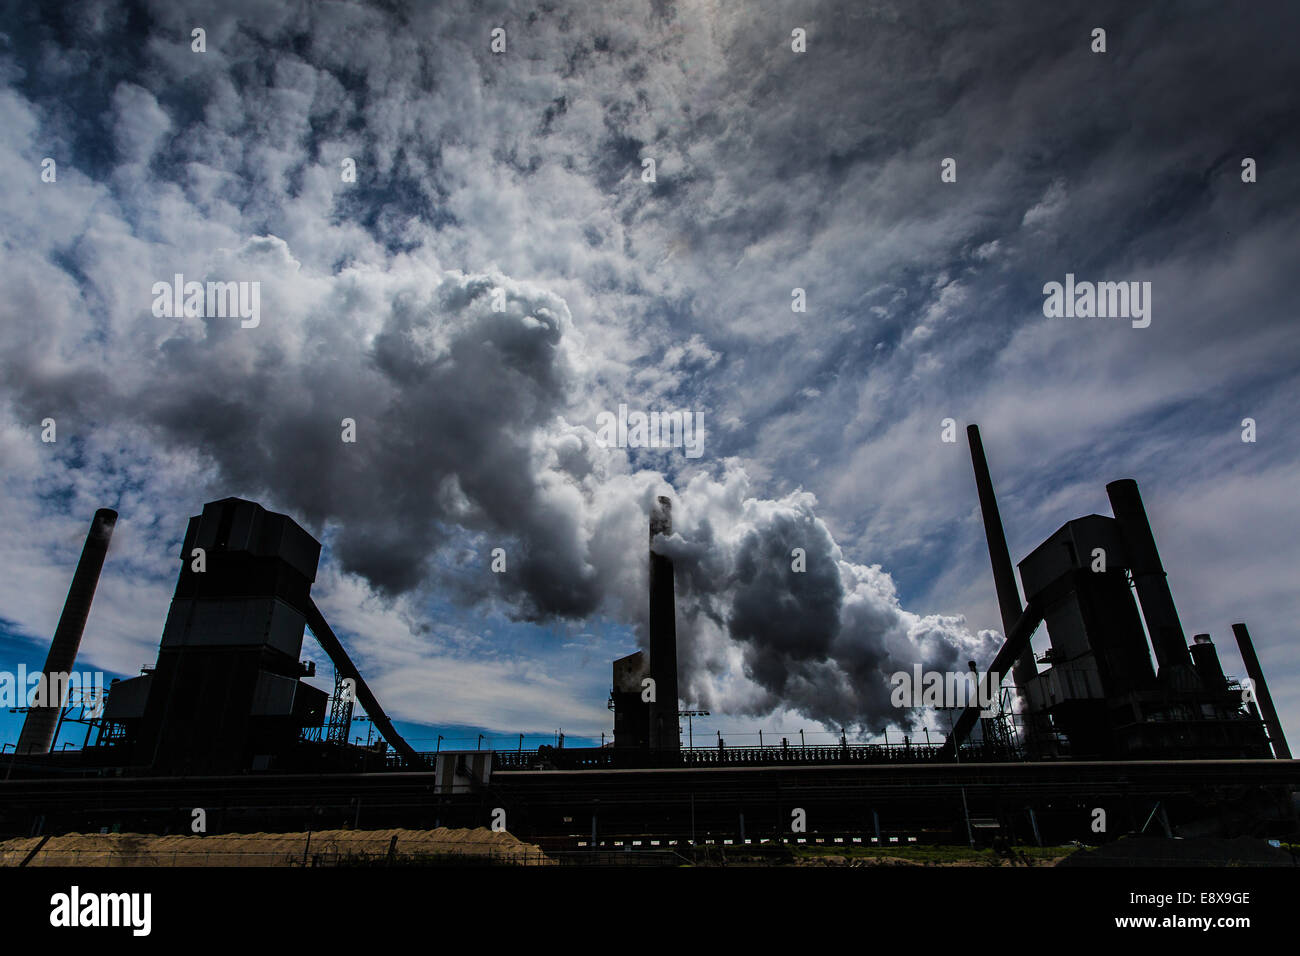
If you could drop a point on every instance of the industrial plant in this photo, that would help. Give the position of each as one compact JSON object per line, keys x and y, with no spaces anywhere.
{"x":224,"y":720}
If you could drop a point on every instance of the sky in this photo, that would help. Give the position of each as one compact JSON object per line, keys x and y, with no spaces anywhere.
{"x":505,"y":268}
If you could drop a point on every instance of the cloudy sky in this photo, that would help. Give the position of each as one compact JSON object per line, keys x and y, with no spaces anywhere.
{"x":525,"y":171}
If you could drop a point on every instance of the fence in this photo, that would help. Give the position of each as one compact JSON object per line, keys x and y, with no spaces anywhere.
{"x":613,"y":757}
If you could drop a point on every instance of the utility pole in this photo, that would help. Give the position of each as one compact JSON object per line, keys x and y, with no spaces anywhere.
{"x":690,"y":729}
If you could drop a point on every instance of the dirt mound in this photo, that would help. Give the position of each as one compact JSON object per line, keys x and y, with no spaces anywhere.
{"x":325,"y":847}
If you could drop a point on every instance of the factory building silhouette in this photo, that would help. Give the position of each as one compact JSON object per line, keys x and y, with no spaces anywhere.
{"x":1099,"y":695}
{"x":227,"y":696}
{"x":645,"y":714}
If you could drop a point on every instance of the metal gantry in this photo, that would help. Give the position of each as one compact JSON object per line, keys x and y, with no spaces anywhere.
{"x":84,"y":705}
{"x":339,"y":727}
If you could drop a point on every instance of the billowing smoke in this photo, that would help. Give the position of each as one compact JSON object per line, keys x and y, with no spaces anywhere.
{"x":821,"y":641}
{"x":459,"y":386}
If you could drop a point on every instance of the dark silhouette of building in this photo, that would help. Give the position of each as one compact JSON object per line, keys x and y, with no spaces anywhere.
{"x":631,"y":712}
{"x":226,"y":697}
{"x":1098,"y":695}
{"x":226,"y":694}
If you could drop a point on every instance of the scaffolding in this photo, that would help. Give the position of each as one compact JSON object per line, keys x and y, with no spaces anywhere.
{"x":85,"y":705}
{"x":339,"y":726}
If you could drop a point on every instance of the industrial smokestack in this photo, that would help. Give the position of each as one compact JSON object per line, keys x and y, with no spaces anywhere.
{"x":37,"y":735}
{"x":1152,"y":585}
{"x":663,"y":634}
{"x":1004,"y":576}
{"x":1256,"y":673}
{"x":1206,"y":659}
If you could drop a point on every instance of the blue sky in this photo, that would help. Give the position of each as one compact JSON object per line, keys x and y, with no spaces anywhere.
{"x":523,"y":171}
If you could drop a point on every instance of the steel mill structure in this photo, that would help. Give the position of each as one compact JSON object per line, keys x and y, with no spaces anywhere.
{"x":224,"y":720}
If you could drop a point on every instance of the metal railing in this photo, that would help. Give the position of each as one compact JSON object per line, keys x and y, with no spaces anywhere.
{"x":602,"y":758}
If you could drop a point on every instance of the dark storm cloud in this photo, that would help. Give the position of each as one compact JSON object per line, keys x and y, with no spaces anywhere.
{"x":822,"y":641}
{"x":788,"y":619}
{"x":446,"y":403}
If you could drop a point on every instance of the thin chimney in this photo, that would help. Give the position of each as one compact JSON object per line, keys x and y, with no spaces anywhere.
{"x":663,"y":634}
{"x":37,"y":735}
{"x":1004,"y":577}
{"x":1256,"y":674}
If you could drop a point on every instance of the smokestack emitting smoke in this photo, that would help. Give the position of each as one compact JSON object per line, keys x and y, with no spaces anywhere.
{"x":663,"y":633}
{"x":38,"y":729}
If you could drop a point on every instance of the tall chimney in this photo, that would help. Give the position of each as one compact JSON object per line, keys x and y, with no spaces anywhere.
{"x":37,"y":735}
{"x":1004,"y":578}
{"x":663,"y":634}
{"x":1256,"y":673}
{"x":1152,"y":585}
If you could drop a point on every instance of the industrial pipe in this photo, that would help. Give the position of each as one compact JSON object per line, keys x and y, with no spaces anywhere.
{"x":663,"y":634}
{"x":1004,"y":578}
{"x":1249,"y":658}
{"x":1152,"y":585}
{"x":37,"y":735}
{"x":330,"y":645}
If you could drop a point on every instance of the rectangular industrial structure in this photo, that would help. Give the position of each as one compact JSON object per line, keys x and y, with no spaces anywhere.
{"x":226,"y":694}
{"x":1098,"y":695}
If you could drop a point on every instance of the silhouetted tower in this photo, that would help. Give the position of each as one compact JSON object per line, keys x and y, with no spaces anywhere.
{"x":663,"y":634}
{"x":37,"y":735}
{"x":1256,"y":674}
{"x":225,"y":695}
{"x":339,"y":727}
{"x":1024,"y":671}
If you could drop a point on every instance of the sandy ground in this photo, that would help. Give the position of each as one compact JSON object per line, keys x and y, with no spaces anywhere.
{"x":266,"y":849}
